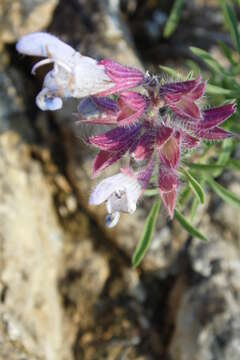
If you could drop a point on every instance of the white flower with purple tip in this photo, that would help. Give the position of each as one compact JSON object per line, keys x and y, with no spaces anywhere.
{"x":73,"y":74}
{"x":120,"y":192}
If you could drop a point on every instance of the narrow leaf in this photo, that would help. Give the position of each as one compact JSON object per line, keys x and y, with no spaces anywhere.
{"x":187,"y":226}
{"x":217,"y":90}
{"x":207,"y":59}
{"x":227,"y":52}
{"x":151,"y":192}
{"x":205,"y":167}
{"x":235,"y":164}
{"x":194,"y":67}
{"x":231,"y":22}
{"x":224,"y":156}
{"x":194,"y":207}
{"x":184,"y":196}
{"x":146,"y":238}
{"x":173,"y":19}
{"x":224,"y":193}
{"x":170,"y":71}
{"x":194,"y":184}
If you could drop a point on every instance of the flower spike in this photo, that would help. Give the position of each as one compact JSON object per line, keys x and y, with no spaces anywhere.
{"x":154,"y":126}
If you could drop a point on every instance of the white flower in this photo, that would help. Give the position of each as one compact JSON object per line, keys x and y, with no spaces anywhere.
{"x":73,"y":75}
{"x":120,"y":192}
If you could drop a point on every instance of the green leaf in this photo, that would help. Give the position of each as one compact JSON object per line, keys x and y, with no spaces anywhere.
{"x":217,"y":90}
{"x":223,"y":193}
{"x":194,"y":67}
{"x":204,"y":167}
{"x":194,"y":208}
{"x":146,"y":238}
{"x":227,"y":52}
{"x":208,"y":59}
{"x":184,"y":196}
{"x":231,"y":22}
{"x":173,"y":19}
{"x":224,"y":156}
{"x":194,"y":184}
{"x":235,"y":164}
{"x":187,"y":226}
{"x":151,"y":192}
{"x":170,"y":71}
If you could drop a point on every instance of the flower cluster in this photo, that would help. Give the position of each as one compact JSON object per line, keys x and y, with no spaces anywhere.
{"x":154,"y":126}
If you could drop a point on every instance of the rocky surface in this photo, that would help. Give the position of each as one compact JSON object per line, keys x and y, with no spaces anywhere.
{"x":208,"y":319}
{"x":67,"y":290}
{"x":19,"y":17}
{"x":31,"y":242}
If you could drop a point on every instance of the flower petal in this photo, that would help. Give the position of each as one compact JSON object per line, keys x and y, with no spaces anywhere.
{"x":198,"y":91}
{"x":216,"y":116}
{"x":169,"y":152}
{"x":132,"y":105}
{"x":121,"y":192}
{"x":186,"y":108}
{"x":45,"y":100}
{"x":89,"y":78}
{"x":111,"y":220}
{"x":143,"y":148}
{"x":213,"y":134}
{"x":106,"y":104}
{"x":105,"y":159}
{"x":46,"y":45}
{"x":116,"y":139}
{"x":188,"y":141}
{"x":105,"y":188}
{"x":180,"y":88}
{"x":92,"y":110}
{"x":181,"y":97}
{"x":124,"y":77}
{"x":124,"y":200}
{"x":168,"y":183}
{"x":145,"y":174}
{"x":163,"y":134}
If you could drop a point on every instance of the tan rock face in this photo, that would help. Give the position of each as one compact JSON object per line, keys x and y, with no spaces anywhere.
{"x":30,"y":242}
{"x":207,"y":306}
{"x":19,"y":17}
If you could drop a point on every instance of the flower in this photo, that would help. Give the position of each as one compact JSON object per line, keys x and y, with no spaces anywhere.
{"x":73,"y":74}
{"x":147,"y":139}
{"x":181,"y":97}
{"x":154,"y":127}
{"x":121,"y":193}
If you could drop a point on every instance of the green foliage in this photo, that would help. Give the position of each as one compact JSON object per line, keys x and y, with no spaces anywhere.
{"x":194,"y":185}
{"x":170,"y":71}
{"x":173,"y":19}
{"x":231,"y":22}
{"x":188,"y":226}
{"x":207,"y":59}
{"x":146,"y":238}
{"x":224,"y":193}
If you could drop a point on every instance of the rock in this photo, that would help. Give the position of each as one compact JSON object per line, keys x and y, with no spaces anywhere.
{"x":207,"y":306}
{"x":12,"y":104}
{"x":30,"y":249}
{"x":96,"y":29}
{"x":19,"y":17}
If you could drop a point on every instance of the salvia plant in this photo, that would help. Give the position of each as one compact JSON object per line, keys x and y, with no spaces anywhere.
{"x":166,"y":129}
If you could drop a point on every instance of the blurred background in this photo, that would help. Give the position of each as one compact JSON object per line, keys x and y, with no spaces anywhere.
{"x":67,"y":288}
